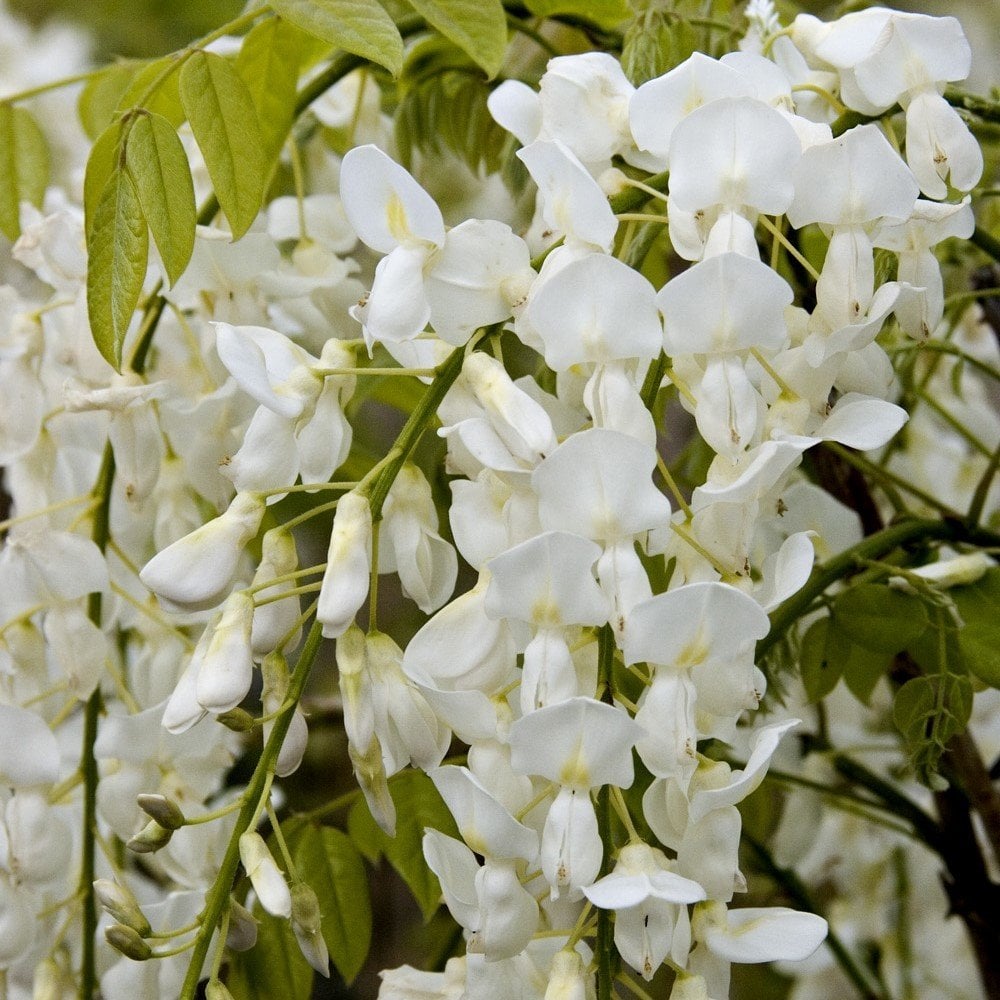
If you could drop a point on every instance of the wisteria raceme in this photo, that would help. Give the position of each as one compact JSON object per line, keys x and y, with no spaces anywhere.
{"x":628,"y":574}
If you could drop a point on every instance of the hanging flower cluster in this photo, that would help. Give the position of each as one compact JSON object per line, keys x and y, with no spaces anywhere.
{"x":604,"y":645}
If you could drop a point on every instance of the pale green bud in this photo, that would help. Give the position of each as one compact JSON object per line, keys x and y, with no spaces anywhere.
{"x":242,"y":932}
{"x":165,"y":811}
{"x":239,"y":720}
{"x":305,"y":908}
{"x":122,"y":905}
{"x":150,"y":838}
{"x":128,"y":942}
{"x":268,"y":882}
{"x":216,"y":990}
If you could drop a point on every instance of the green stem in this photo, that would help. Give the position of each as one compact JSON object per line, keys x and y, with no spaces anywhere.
{"x":796,"y":890}
{"x":905,"y":808}
{"x":414,"y":427}
{"x":983,"y":488}
{"x":883,"y":475}
{"x":88,"y":763}
{"x":945,"y":347}
{"x":536,"y":36}
{"x":953,"y":422}
{"x":45,"y":88}
{"x":218,"y":896}
{"x":606,"y":954}
{"x":981,"y":107}
{"x":875,"y":546}
{"x":986,"y":242}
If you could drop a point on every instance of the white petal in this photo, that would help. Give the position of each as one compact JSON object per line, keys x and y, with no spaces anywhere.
{"x":485,"y":825}
{"x":572,"y":201}
{"x":725,"y":303}
{"x":581,"y":742}
{"x":547,"y":581}
{"x":767,"y":934}
{"x":571,"y":845}
{"x":862,"y":422}
{"x":517,"y":108}
{"x":29,"y":753}
{"x":397,"y":308}
{"x":384,"y":204}
{"x":733,"y":152}
{"x":579,"y":314}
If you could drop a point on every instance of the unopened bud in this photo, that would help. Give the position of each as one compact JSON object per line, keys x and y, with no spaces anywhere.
{"x":239,"y":720}
{"x":242,"y":932}
{"x":216,"y":990}
{"x":122,"y":905}
{"x":128,"y":942}
{"x":348,"y":565}
{"x":305,"y":908}
{"x":150,"y":838}
{"x":689,"y":988}
{"x":268,"y":882}
{"x":165,"y":811}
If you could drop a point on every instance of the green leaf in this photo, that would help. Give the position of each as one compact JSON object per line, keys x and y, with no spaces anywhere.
{"x":477,"y":27}
{"x":165,"y":100}
{"x":822,"y":659}
{"x":274,"y":967}
{"x":879,"y":617}
{"x":648,"y":47}
{"x":928,"y":711}
{"x":936,"y":650}
{"x":159,"y":166}
{"x":364,"y":832}
{"x":979,"y":639}
{"x":445,"y":108}
{"x":418,"y":806}
{"x":336,"y":873}
{"x":359,"y":26}
{"x":24,"y":166}
{"x":224,"y":121}
{"x":102,"y":95}
{"x":268,"y":63}
{"x":101,"y":164}
{"x":603,"y":13}
{"x":117,"y":249}
{"x":862,"y":670}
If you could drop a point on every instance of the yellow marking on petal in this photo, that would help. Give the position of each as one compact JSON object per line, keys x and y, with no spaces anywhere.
{"x":695,"y":652}
{"x":574,"y":772}
{"x":399,"y":224}
{"x":545,"y":612}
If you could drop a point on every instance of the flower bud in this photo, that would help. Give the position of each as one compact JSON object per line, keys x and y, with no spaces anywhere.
{"x":197,"y":571}
{"x":567,"y":978}
{"x":305,"y":908}
{"x":226,"y":673}
{"x":274,"y":669}
{"x":216,"y":990}
{"x":689,"y":988}
{"x":239,"y":720}
{"x":268,"y":882}
{"x":128,"y":942}
{"x":306,"y":925}
{"x":356,"y":687}
{"x":165,"y":811}
{"x":118,"y":900}
{"x":348,"y":565}
{"x":369,"y":769}
{"x":242,"y":932}
{"x":273,"y":621}
{"x":150,"y":838}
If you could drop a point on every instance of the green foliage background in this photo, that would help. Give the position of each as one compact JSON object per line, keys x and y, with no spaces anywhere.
{"x":136,"y":27}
